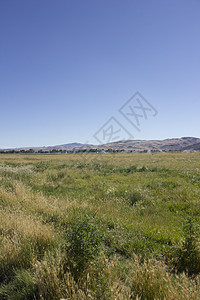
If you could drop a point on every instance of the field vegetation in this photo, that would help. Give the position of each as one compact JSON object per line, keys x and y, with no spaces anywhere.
{"x":100,"y":226}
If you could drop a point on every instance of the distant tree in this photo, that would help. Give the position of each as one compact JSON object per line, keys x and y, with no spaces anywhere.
{"x":54,"y":151}
{"x":30,"y":151}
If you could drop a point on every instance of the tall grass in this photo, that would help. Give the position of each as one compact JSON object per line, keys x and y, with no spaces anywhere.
{"x":113,"y":226}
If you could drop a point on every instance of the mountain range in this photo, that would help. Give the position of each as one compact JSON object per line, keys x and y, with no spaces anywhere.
{"x":171,"y":144}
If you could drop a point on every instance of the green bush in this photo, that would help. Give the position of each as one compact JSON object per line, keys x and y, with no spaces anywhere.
{"x":134,"y":197}
{"x":84,"y":242}
{"x":186,"y":256}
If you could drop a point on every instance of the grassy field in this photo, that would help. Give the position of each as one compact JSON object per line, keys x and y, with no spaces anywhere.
{"x":100,"y":226}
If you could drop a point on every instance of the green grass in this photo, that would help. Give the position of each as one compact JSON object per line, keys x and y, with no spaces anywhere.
{"x":100,"y":226}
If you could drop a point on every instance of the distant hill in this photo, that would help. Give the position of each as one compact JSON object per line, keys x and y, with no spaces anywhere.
{"x":174,"y":144}
{"x":193,"y":147}
{"x":69,"y":146}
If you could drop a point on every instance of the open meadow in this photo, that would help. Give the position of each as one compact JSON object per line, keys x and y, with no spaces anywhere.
{"x":100,"y":226}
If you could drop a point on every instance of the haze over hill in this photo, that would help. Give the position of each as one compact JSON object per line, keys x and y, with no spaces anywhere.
{"x":173,"y":144}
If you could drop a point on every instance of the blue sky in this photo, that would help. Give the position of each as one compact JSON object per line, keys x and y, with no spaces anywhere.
{"x":67,"y":67}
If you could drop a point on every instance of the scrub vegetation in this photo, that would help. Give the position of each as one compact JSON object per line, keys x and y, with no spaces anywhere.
{"x":100,"y":226}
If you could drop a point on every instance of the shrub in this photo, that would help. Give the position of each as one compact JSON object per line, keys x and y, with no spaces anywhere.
{"x":134,"y":197}
{"x":186,"y":256}
{"x":84,"y":241}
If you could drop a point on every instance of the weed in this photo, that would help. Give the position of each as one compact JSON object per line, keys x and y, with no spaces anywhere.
{"x":186,"y":255}
{"x":84,"y":241}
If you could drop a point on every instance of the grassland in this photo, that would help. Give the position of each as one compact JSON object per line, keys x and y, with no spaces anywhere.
{"x":100,"y":226}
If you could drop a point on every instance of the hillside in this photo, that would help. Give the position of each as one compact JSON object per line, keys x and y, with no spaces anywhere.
{"x":193,"y":147}
{"x":174,"y":144}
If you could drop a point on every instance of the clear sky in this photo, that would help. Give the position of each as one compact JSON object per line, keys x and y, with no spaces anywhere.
{"x":67,"y":67}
